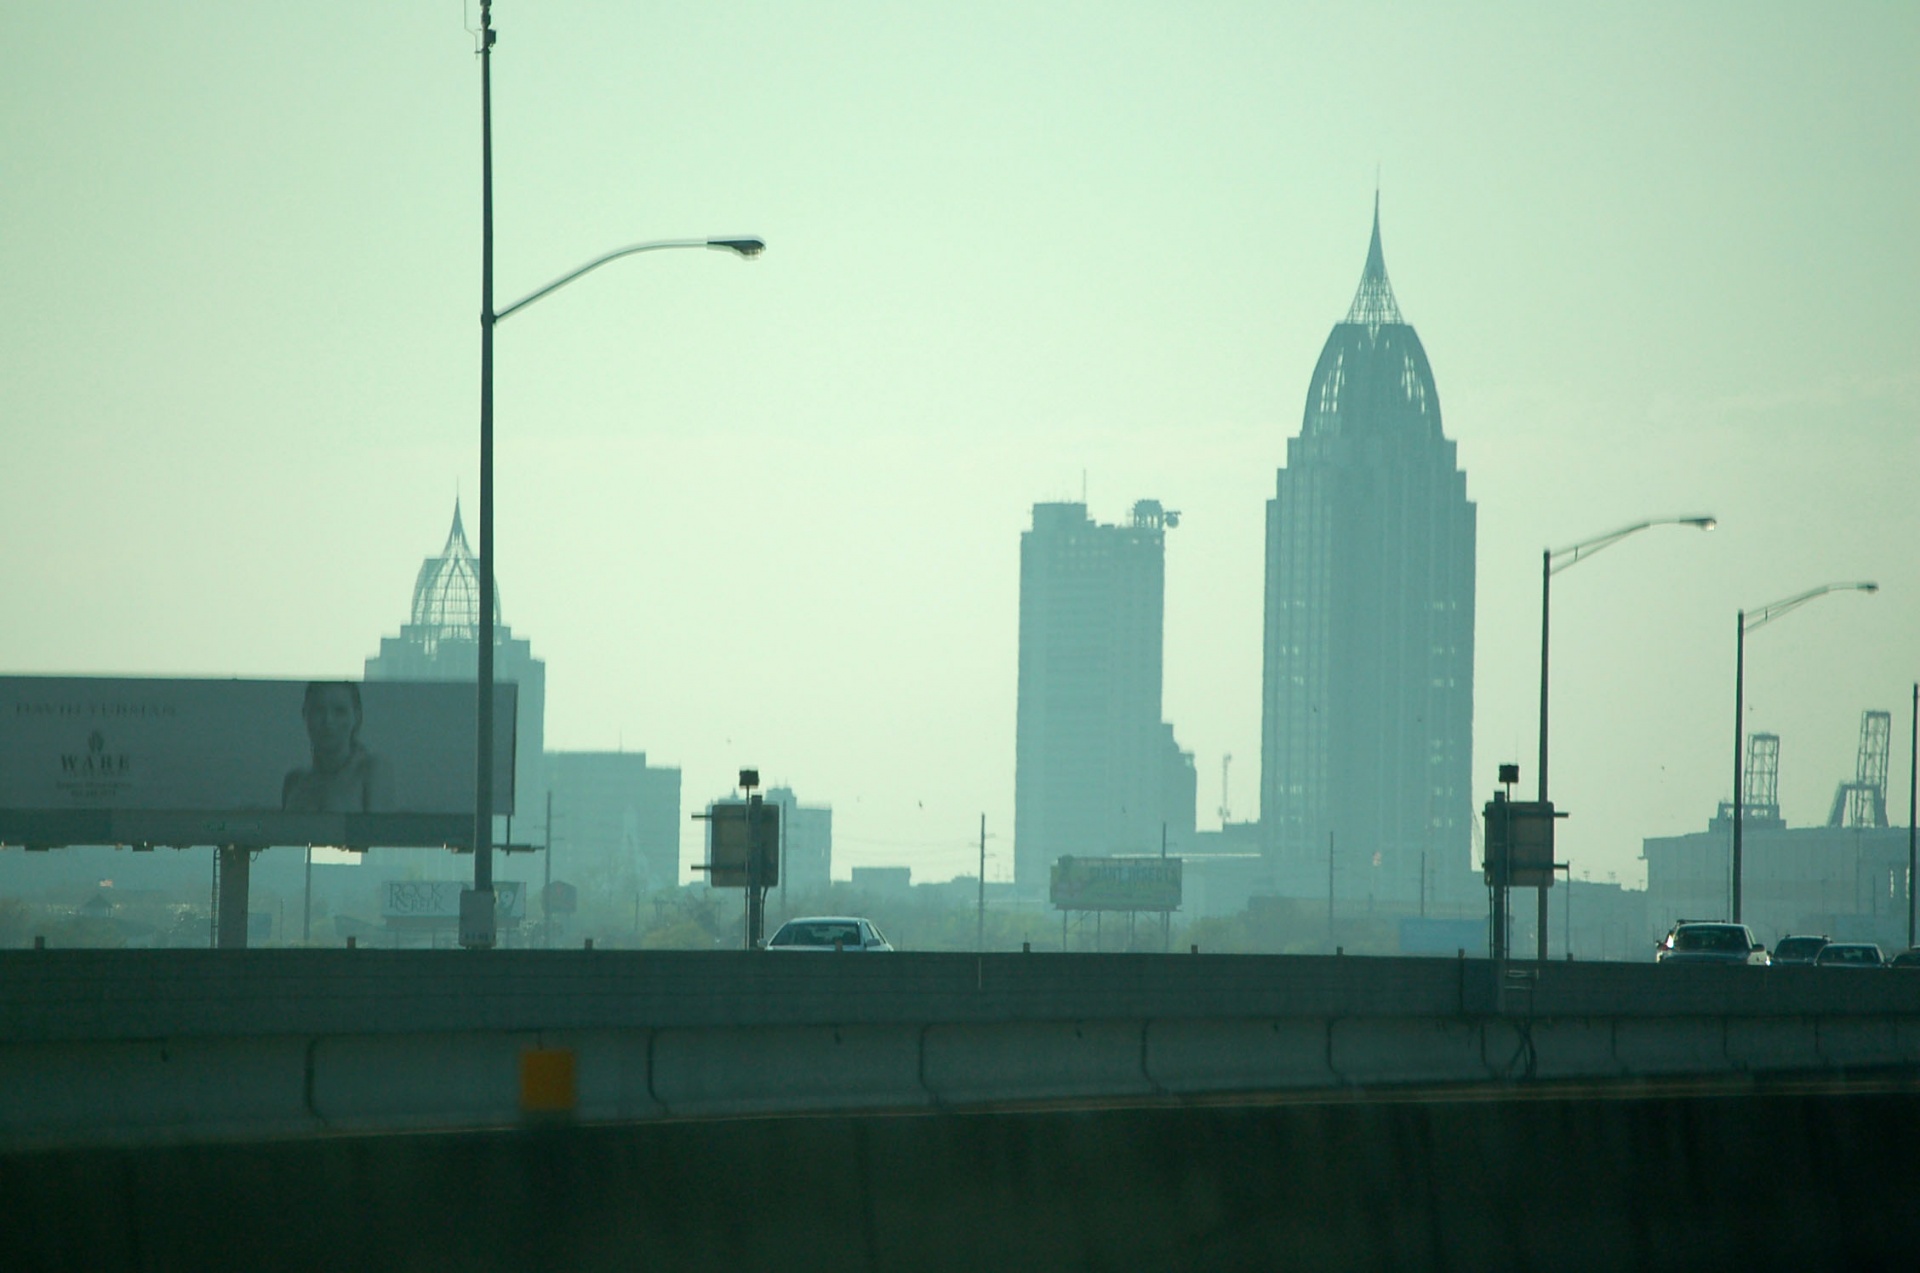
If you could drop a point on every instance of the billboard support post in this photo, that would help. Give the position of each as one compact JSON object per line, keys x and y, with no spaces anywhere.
{"x":235,"y":867}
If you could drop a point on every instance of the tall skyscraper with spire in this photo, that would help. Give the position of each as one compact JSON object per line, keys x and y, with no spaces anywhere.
{"x":1367,"y":719}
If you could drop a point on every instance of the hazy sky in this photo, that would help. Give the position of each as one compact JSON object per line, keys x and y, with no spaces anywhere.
{"x":1663,"y":258}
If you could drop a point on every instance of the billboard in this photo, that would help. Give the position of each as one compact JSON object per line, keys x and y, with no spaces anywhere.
{"x":1116,"y":884}
{"x":272,"y":762}
{"x":436,"y":903}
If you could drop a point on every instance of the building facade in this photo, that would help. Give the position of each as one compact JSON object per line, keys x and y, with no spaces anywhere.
{"x":1096,"y":769}
{"x":616,"y":822}
{"x":1848,"y":882}
{"x":1367,"y":714}
{"x":441,"y":642}
{"x":806,"y":832}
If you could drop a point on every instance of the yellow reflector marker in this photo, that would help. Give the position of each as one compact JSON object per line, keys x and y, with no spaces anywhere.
{"x":547,"y":1081}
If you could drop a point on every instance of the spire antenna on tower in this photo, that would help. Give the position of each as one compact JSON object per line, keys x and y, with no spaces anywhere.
{"x":1373,"y":303}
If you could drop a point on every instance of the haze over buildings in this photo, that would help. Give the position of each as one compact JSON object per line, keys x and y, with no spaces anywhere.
{"x":764,"y":514}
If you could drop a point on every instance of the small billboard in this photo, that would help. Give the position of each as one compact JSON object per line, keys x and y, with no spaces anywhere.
{"x":734,"y":827}
{"x":436,"y":903}
{"x":1116,"y":884}
{"x":1519,"y":839}
{"x":268,"y":762}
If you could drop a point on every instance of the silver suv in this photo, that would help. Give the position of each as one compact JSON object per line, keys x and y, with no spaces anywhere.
{"x":1705,"y":942}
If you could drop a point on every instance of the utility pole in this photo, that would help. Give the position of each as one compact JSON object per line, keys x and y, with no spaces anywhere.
{"x":1913,"y":772}
{"x":1166,"y":917}
{"x":980,"y":928}
{"x":1329,"y":888}
{"x":546,"y":890}
{"x":306,"y":904}
{"x":1569,"y":916}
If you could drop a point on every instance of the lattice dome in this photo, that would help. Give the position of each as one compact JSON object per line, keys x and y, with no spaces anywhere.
{"x":1373,"y":377}
{"x":446,"y":594}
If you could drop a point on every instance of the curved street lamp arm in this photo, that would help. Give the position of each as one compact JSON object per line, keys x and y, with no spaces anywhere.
{"x":1752,"y":619}
{"x":746,"y":247}
{"x":1560,"y":558}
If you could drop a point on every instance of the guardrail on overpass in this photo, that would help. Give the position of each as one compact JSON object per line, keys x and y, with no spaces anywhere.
{"x":142,"y":1046}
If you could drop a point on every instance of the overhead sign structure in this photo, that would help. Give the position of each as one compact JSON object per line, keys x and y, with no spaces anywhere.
{"x":91,"y":760}
{"x":737,"y":831}
{"x":1116,"y":884}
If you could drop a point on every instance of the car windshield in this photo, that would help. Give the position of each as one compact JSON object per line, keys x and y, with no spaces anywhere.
{"x":1711,"y":938}
{"x":818,"y":933}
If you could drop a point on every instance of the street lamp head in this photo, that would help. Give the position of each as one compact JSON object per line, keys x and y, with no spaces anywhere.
{"x":1704,"y":523}
{"x":745,"y":247}
{"x":1868,"y":587}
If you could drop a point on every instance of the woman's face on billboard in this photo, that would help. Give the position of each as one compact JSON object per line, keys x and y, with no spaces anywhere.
{"x":331,"y":721}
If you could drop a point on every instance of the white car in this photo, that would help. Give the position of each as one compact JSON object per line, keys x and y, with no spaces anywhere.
{"x":1710,"y":942}
{"x":828,"y":932}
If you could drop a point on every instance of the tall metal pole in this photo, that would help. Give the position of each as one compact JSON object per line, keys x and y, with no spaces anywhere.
{"x":306,"y":903}
{"x":1739,"y":717}
{"x":1546,"y":588}
{"x":1913,"y":772}
{"x":482,"y":935}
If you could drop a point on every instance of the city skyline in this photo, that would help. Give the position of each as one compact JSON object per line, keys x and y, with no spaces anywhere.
{"x":1661,"y":261}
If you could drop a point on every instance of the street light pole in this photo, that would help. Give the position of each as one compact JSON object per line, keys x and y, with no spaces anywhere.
{"x":1552,"y":562}
{"x":1747,"y":621}
{"x":477,"y":909}
{"x":477,"y":916}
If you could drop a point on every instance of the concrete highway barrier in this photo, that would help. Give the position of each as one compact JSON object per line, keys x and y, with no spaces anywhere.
{"x":101,"y":1047}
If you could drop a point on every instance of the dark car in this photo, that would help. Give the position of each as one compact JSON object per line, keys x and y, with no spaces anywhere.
{"x":1906,"y":959}
{"x":1851,"y":954}
{"x":1801,"y":949}
{"x":1710,"y":942}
